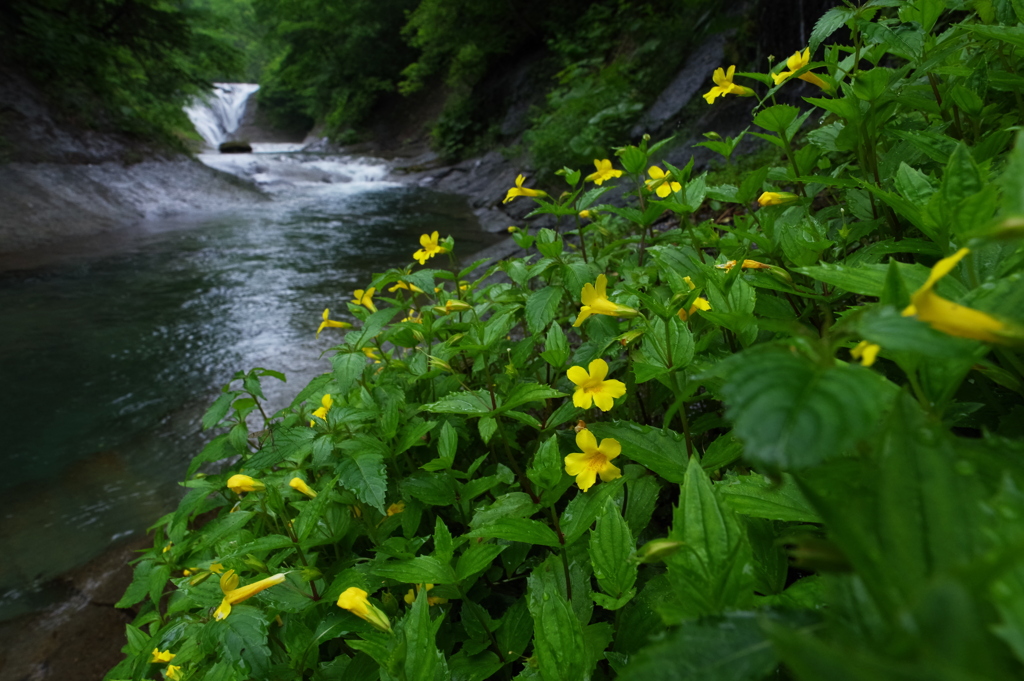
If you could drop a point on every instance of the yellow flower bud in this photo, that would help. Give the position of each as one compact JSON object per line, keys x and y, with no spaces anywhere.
{"x":355,"y":601}
{"x":299,"y":485}
{"x":243,"y":483}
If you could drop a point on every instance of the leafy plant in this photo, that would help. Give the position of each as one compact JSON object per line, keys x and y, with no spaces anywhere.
{"x":686,"y":448}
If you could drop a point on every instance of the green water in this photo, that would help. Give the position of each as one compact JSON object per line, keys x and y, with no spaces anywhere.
{"x":108,"y":360}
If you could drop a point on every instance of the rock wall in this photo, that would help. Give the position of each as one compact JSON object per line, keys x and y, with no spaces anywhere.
{"x":59,"y":181}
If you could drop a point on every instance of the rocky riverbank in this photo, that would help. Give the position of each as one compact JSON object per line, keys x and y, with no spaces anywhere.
{"x":61,"y":182}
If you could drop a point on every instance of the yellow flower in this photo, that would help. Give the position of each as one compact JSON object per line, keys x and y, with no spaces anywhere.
{"x":243,"y":483}
{"x":866,"y":352}
{"x":592,"y":388}
{"x":326,"y":402}
{"x":699,"y":304}
{"x":949,"y":317}
{"x":594,"y":460}
{"x":431,"y":600}
{"x":725,"y":86}
{"x":587,"y":215}
{"x":365,"y":298}
{"x":161,"y":657}
{"x":233,"y":594}
{"x":429,"y":250}
{"x":747,"y":265}
{"x":167,"y":548}
{"x":355,"y":601}
{"x":406,"y":287}
{"x":604,"y":172}
{"x":797,"y":62}
{"x":661,"y":182}
{"x":299,"y":485}
{"x":216,"y":568}
{"x":776,"y":199}
{"x":396,"y":508}
{"x":173,"y":672}
{"x":453,"y":306}
{"x":520,"y":190}
{"x":330,"y":323}
{"x":595,"y":301}
{"x":371,"y":353}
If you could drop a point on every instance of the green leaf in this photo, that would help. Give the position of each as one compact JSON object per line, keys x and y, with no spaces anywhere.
{"x":962,"y":178}
{"x":434,"y":489}
{"x":478,"y":557}
{"x":215,"y":414}
{"x":422,"y":658}
{"x":139,"y":587}
{"x":791,"y":413}
{"x":419,"y":570}
{"x":348,"y":368}
{"x":242,"y":639}
{"x":518,"y":529}
{"x":546,"y":471}
{"x":611,"y":553}
{"x":732,"y":648}
{"x":710,"y":574}
{"x":829,"y":23}
{"x":865,"y":280}
{"x":284,"y":444}
{"x":662,"y":451}
{"x":362,"y":472}
{"x":528,"y":392}
{"x":643,"y":495}
{"x":541,"y":307}
{"x":755,"y":495}
{"x":722,"y":452}
{"x":633,"y":160}
{"x":557,"y":633}
{"x":465,"y":402}
{"x":776,"y":118}
{"x":1012,"y":179}
{"x":582,"y":511}
{"x":668,"y":343}
{"x":556,"y":347}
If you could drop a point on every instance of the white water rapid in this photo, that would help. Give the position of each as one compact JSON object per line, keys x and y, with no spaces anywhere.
{"x":218,"y":115}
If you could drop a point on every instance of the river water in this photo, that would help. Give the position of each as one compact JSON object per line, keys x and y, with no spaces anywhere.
{"x":110,"y":358}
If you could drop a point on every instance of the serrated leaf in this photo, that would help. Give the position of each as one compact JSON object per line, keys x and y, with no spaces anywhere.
{"x":465,"y":402}
{"x":755,"y":495}
{"x":776,"y":118}
{"x":518,"y":529}
{"x":348,"y":367}
{"x":556,"y":347}
{"x":611,"y":553}
{"x":419,"y":570}
{"x":215,"y":414}
{"x":362,"y":471}
{"x":582,"y":511}
{"x":791,"y":413}
{"x":478,"y":557}
{"x":710,"y":574}
{"x":732,"y":648}
{"x":557,"y":634}
{"x":541,"y":307}
{"x":829,"y":23}
{"x":528,"y":392}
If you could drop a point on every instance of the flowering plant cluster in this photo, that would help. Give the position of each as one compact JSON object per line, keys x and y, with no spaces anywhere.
{"x":720,"y":432}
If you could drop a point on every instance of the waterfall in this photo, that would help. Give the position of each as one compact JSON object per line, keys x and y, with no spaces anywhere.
{"x":218,"y":115}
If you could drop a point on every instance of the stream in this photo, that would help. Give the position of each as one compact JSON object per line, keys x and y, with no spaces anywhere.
{"x":110,"y":357}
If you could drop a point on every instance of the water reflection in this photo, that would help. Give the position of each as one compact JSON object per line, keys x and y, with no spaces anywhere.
{"x":108,"y":362}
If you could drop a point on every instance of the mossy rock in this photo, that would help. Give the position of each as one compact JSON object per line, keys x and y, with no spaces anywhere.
{"x":235,"y":147}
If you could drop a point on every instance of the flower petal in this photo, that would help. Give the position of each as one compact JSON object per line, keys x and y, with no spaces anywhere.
{"x":610,"y":447}
{"x":576,"y":463}
{"x":598,"y":370}
{"x":578,"y":375}
{"x":586,"y":441}
{"x":610,"y":472}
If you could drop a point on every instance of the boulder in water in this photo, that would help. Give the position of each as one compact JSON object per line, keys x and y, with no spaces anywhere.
{"x":235,"y":147}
